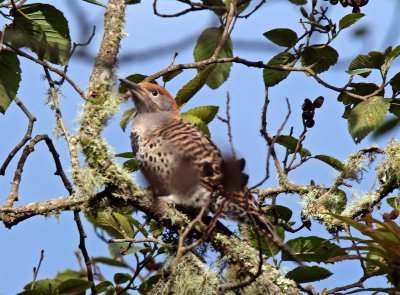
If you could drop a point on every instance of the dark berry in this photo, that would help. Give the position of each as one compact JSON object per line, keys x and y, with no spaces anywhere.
{"x":318,"y":101}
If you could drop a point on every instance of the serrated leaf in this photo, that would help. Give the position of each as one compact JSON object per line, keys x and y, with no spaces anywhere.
{"x":290,"y":143}
{"x":43,"y":29}
{"x":127,"y":155}
{"x":321,"y":56}
{"x":119,"y":249}
{"x":193,"y":86}
{"x":204,"y":49}
{"x":362,"y":89}
{"x":103,"y":286}
{"x":204,"y":113}
{"x":372,"y":60}
{"x":107,"y":222}
{"x":273,"y":77}
{"x":361,"y":72}
{"x":197,"y":122}
{"x":331,"y":161}
{"x":109,"y":261}
{"x":366,"y":116}
{"x":313,"y":249}
{"x":121,"y":278}
{"x":307,"y":274}
{"x":282,"y":37}
{"x":171,"y":75}
{"x":95,"y":3}
{"x":135,"y":78}
{"x":73,"y":285}
{"x":124,"y":223}
{"x":10,"y":77}
{"x":394,"y":202}
{"x":349,"y":20}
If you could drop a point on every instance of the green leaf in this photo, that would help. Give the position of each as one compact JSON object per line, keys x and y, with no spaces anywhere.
{"x":43,"y":29}
{"x":36,"y":292}
{"x":372,"y":60}
{"x":387,"y":126}
{"x":321,"y":56}
{"x":193,"y":86}
{"x":109,"y":261}
{"x":124,"y":223}
{"x":131,"y":165}
{"x":290,"y":143}
{"x":70,"y":274}
{"x":127,"y":155}
{"x":282,"y":37}
{"x":349,"y":20}
{"x":131,"y":2}
{"x":366,"y":116}
{"x":107,"y":222}
{"x":268,"y":247}
{"x":241,"y":5}
{"x":273,"y":77}
{"x":313,"y":249}
{"x":73,"y":285}
{"x":278,"y":211}
{"x":395,"y":83}
{"x":298,"y":2}
{"x":204,"y":49}
{"x":361,"y":72}
{"x":121,"y":278}
{"x":395,"y":107}
{"x":204,"y":113}
{"x":394,"y":202}
{"x":171,"y":75}
{"x":147,"y":285}
{"x":135,"y":78}
{"x":331,"y":161}
{"x":216,"y":3}
{"x":44,"y":285}
{"x":307,"y":274}
{"x":103,"y":286}
{"x":196,"y":121}
{"x":95,"y":3}
{"x":127,"y":116}
{"x":119,"y":249}
{"x":10,"y":77}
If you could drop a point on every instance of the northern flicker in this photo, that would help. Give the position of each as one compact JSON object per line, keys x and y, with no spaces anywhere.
{"x":183,"y":165}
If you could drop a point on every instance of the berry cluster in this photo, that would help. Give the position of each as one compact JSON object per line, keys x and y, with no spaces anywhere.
{"x":356,"y":4}
{"x":309,"y":110}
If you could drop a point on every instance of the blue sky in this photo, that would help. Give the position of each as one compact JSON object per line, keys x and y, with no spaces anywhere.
{"x":20,"y":246}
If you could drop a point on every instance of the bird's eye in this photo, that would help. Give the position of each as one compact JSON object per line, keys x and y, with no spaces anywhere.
{"x":154,"y":92}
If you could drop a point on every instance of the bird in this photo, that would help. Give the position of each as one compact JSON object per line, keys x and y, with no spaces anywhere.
{"x":183,"y":166}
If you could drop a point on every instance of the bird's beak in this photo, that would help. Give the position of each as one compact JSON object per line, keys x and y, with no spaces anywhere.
{"x":133,"y":87}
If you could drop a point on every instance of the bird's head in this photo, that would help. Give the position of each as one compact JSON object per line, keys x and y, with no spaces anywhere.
{"x":150,"y":98}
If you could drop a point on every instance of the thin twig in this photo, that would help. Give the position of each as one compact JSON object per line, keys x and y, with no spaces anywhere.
{"x":82,"y":247}
{"x":50,"y":67}
{"x":24,"y":140}
{"x":36,"y":269}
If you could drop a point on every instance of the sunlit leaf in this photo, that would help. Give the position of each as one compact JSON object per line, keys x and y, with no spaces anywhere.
{"x":73,"y":285}
{"x":205,"y":113}
{"x":349,"y":20}
{"x":331,"y":161}
{"x":43,"y":29}
{"x":291,"y":144}
{"x":366,"y":116}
